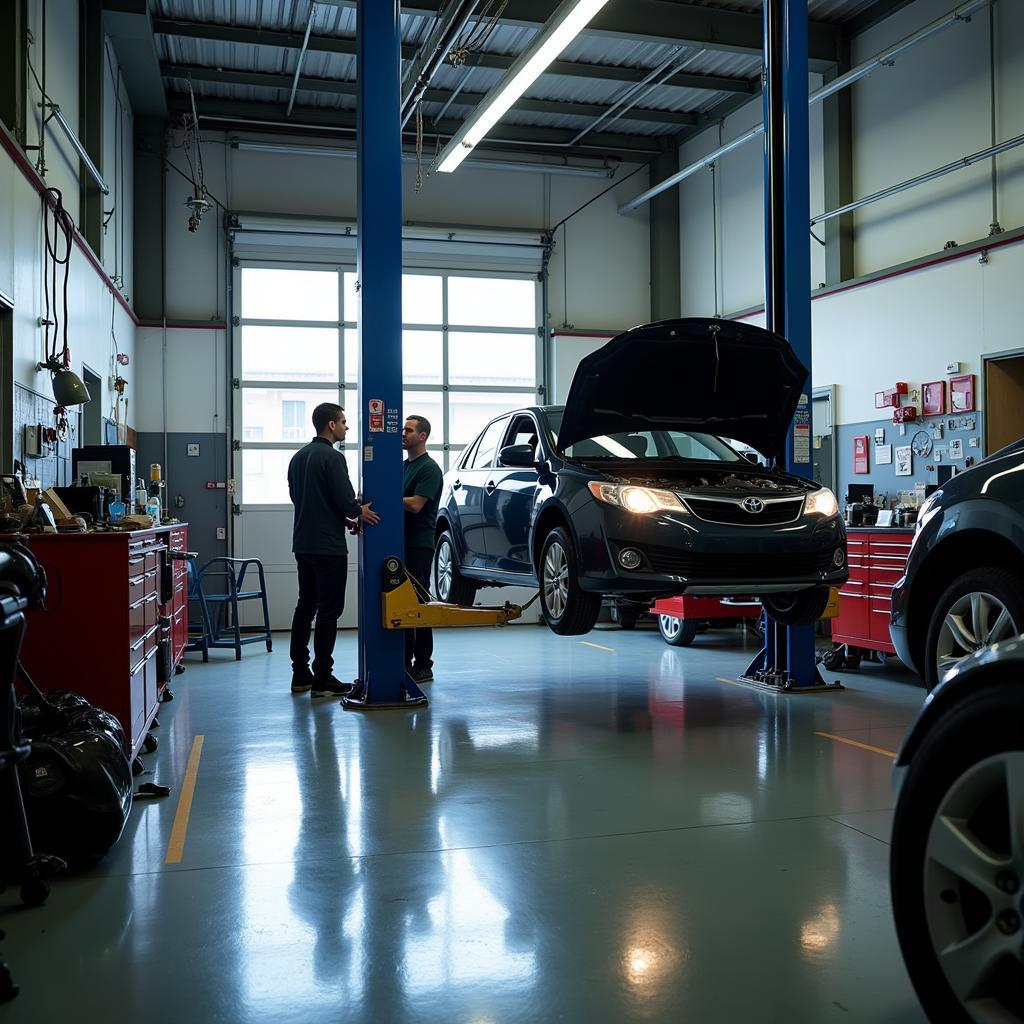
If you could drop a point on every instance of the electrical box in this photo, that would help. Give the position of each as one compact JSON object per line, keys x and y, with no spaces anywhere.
{"x":193,"y":450}
{"x":32,"y":444}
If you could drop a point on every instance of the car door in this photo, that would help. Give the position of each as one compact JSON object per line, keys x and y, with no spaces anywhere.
{"x":509,"y":497}
{"x":468,"y":492}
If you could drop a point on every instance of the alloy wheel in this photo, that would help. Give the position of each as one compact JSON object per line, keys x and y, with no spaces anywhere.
{"x":973,"y":621}
{"x":556,"y":580}
{"x":670,"y":626}
{"x":973,"y":872}
{"x":445,"y":570}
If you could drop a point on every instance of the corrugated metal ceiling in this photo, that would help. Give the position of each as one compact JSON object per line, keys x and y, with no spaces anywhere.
{"x":329,"y":19}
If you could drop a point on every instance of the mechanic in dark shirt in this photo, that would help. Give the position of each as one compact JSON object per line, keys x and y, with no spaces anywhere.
{"x":324,"y":500}
{"x":421,"y":496}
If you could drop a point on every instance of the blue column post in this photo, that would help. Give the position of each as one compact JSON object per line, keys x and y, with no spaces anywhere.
{"x":789,"y":651}
{"x":382,"y":679}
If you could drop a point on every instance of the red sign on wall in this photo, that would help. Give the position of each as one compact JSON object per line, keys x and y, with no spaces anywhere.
{"x":860,"y":454}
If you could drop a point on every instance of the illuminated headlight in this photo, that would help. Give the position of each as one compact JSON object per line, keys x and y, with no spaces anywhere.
{"x":821,"y":503}
{"x":633,"y":498}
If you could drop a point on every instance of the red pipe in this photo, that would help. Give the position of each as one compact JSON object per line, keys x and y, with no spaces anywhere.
{"x":26,"y":168}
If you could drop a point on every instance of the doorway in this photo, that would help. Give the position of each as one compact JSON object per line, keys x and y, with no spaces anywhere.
{"x":823,"y":451}
{"x":6,"y":387}
{"x":1003,"y":411}
{"x":92,"y":411}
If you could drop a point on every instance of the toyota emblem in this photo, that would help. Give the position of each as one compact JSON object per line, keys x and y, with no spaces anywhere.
{"x":753,"y":505}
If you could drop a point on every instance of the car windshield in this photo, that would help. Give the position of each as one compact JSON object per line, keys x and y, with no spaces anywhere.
{"x":648,"y":444}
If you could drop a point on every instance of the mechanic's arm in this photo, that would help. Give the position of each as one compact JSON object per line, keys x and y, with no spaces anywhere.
{"x":415,"y":503}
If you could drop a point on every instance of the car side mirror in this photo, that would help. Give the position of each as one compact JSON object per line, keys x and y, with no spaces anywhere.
{"x":518,"y":456}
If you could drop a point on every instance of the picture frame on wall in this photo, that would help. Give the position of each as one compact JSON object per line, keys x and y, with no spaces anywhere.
{"x":961,"y":393}
{"x":933,"y":398}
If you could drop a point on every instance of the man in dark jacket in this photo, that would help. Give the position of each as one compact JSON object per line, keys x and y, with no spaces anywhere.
{"x":423,"y":483}
{"x":325,"y":502}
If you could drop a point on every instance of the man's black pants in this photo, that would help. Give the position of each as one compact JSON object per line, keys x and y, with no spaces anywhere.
{"x":419,"y":643}
{"x":322,"y":580}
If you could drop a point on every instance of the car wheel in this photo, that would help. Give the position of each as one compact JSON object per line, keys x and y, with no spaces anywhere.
{"x":799,"y":608}
{"x":957,"y":861}
{"x":677,"y":632}
{"x":449,"y":584}
{"x":568,"y":610}
{"x":626,"y":617}
{"x":980,"y":608}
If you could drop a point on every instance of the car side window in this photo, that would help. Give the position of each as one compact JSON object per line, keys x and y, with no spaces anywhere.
{"x":483,"y":457}
{"x":524,"y":430}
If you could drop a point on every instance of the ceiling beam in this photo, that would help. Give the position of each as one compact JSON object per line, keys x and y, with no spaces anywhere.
{"x":338,"y":88}
{"x":873,"y":15}
{"x":664,"y":21}
{"x":496,"y":61}
{"x":130,"y":27}
{"x":507,"y":137}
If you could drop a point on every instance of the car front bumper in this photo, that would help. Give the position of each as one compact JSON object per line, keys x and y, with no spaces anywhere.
{"x":683,"y":554}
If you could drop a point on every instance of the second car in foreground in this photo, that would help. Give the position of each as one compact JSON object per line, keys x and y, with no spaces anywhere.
{"x":631,"y":491}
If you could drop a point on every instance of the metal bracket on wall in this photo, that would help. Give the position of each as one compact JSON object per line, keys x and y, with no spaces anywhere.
{"x":236,"y":446}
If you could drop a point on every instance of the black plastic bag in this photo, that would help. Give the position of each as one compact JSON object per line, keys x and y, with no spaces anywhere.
{"x":77,"y":781}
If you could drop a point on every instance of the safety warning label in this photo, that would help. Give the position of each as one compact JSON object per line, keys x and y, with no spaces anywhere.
{"x":802,"y":435}
{"x":376,"y":415}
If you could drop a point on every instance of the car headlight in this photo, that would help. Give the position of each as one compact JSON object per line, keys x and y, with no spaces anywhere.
{"x":821,"y":503}
{"x":634,"y":498}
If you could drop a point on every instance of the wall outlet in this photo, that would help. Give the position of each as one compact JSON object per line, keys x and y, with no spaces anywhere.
{"x":193,"y":451}
{"x":222,"y":533}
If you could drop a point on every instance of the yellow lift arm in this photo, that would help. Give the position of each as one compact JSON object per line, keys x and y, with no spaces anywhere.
{"x":402,"y":608}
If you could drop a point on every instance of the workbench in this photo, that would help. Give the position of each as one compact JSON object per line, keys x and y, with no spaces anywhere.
{"x":99,"y":633}
{"x":877,"y":559}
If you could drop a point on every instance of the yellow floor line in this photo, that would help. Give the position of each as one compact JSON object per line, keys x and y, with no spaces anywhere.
{"x":857,"y":743}
{"x":587,"y":643}
{"x":176,"y":846}
{"x":731,"y":682}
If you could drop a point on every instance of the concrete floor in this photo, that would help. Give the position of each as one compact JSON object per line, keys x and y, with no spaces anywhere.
{"x":605,"y":830}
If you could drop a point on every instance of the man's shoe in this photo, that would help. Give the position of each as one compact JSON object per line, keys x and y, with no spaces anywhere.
{"x":302,"y":680}
{"x":330,"y":687}
{"x":420,"y":675}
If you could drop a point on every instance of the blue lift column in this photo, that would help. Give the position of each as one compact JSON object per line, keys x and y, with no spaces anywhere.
{"x":788,"y":659}
{"x":382,"y":681}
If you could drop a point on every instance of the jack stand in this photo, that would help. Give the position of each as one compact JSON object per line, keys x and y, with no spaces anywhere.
{"x":775,"y":671}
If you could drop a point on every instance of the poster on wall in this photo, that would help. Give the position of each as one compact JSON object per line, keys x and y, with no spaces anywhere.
{"x":956,"y":448}
{"x":860,"y":454}
{"x":904,"y":460}
{"x":883,"y":454}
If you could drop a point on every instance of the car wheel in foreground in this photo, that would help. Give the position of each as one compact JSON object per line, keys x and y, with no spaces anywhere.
{"x":957,"y":861}
{"x":980,"y":608}
{"x":677,"y":632}
{"x":798,"y":608}
{"x":449,"y":584}
{"x":568,"y":610}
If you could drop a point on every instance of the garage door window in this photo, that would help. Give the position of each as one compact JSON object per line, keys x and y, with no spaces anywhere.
{"x":470,"y":351}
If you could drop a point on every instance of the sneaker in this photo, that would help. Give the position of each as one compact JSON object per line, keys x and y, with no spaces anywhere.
{"x":420,"y":675}
{"x":330,"y":687}
{"x":302,"y":679}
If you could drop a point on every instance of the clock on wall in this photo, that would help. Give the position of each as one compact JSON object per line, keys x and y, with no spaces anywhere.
{"x":921,"y":443}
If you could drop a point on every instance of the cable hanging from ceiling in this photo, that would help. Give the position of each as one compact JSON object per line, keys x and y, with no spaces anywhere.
{"x":199,"y":202}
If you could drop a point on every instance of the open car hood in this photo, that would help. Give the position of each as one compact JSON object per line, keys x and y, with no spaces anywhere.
{"x":716,"y":376}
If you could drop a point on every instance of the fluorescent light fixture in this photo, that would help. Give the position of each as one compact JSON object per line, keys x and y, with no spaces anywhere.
{"x":568,"y":20}
{"x":93,"y":170}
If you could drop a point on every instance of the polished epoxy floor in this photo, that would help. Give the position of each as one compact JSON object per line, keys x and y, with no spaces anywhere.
{"x":606,"y":830}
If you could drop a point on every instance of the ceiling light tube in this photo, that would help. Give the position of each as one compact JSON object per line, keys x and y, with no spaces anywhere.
{"x":568,"y":20}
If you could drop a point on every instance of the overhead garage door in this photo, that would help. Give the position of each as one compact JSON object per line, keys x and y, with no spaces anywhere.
{"x":471,"y":348}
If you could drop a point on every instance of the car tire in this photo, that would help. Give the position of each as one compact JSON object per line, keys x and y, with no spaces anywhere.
{"x":677,"y":632}
{"x":999,"y":590}
{"x":798,"y":608}
{"x":953,"y":807}
{"x":626,"y":617}
{"x":568,"y":610}
{"x":450,"y":585}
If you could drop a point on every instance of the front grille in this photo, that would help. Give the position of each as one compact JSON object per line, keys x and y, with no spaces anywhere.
{"x":734,"y":514}
{"x":698,"y":565}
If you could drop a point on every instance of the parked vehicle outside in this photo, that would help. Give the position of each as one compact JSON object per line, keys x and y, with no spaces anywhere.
{"x":630,"y":491}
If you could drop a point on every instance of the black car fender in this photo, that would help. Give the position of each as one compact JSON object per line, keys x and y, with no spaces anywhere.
{"x":1001,"y":664}
{"x":548,"y":514}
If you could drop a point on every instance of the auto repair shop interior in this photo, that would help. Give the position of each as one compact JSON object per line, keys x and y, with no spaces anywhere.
{"x":704,"y":318}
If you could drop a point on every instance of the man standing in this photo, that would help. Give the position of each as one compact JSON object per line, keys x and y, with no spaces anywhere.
{"x":422,"y":493}
{"x":324,"y":500}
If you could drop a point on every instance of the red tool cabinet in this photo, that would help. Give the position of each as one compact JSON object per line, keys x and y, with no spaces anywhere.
{"x":99,"y":632}
{"x":877,"y":560}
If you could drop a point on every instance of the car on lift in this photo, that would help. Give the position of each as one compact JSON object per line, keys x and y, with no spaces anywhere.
{"x":963,"y":588}
{"x":957,"y":847}
{"x":629,"y":491}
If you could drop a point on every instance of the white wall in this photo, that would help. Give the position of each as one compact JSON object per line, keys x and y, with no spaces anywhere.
{"x":21,"y":232}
